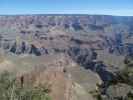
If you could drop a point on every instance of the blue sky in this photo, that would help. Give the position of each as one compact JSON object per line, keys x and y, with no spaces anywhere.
{"x":107,"y":7}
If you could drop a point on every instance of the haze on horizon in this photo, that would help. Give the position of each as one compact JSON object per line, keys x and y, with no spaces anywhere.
{"x":105,"y":7}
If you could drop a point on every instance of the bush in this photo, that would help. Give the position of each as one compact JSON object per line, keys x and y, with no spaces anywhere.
{"x":10,"y":90}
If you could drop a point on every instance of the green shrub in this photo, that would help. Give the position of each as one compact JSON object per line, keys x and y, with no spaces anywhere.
{"x":10,"y":90}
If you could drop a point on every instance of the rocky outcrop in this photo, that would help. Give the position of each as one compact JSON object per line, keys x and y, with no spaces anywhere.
{"x":118,"y":92}
{"x":88,"y":59}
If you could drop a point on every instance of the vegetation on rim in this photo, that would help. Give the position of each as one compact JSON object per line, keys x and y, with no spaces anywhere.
{"x":10,"y":90}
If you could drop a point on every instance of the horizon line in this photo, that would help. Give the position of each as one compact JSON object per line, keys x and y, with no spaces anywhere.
{"x":66,"y":14}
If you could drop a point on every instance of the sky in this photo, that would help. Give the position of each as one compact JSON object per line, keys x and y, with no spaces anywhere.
{"x":106,"y":7}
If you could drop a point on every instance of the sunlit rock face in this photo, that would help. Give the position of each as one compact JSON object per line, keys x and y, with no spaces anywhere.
{"x":44,"y":32}
{"x":79,"y":36}
{"x":93,"y":49}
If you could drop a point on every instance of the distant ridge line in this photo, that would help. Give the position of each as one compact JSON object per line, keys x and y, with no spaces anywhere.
{"x":62,"y":15}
